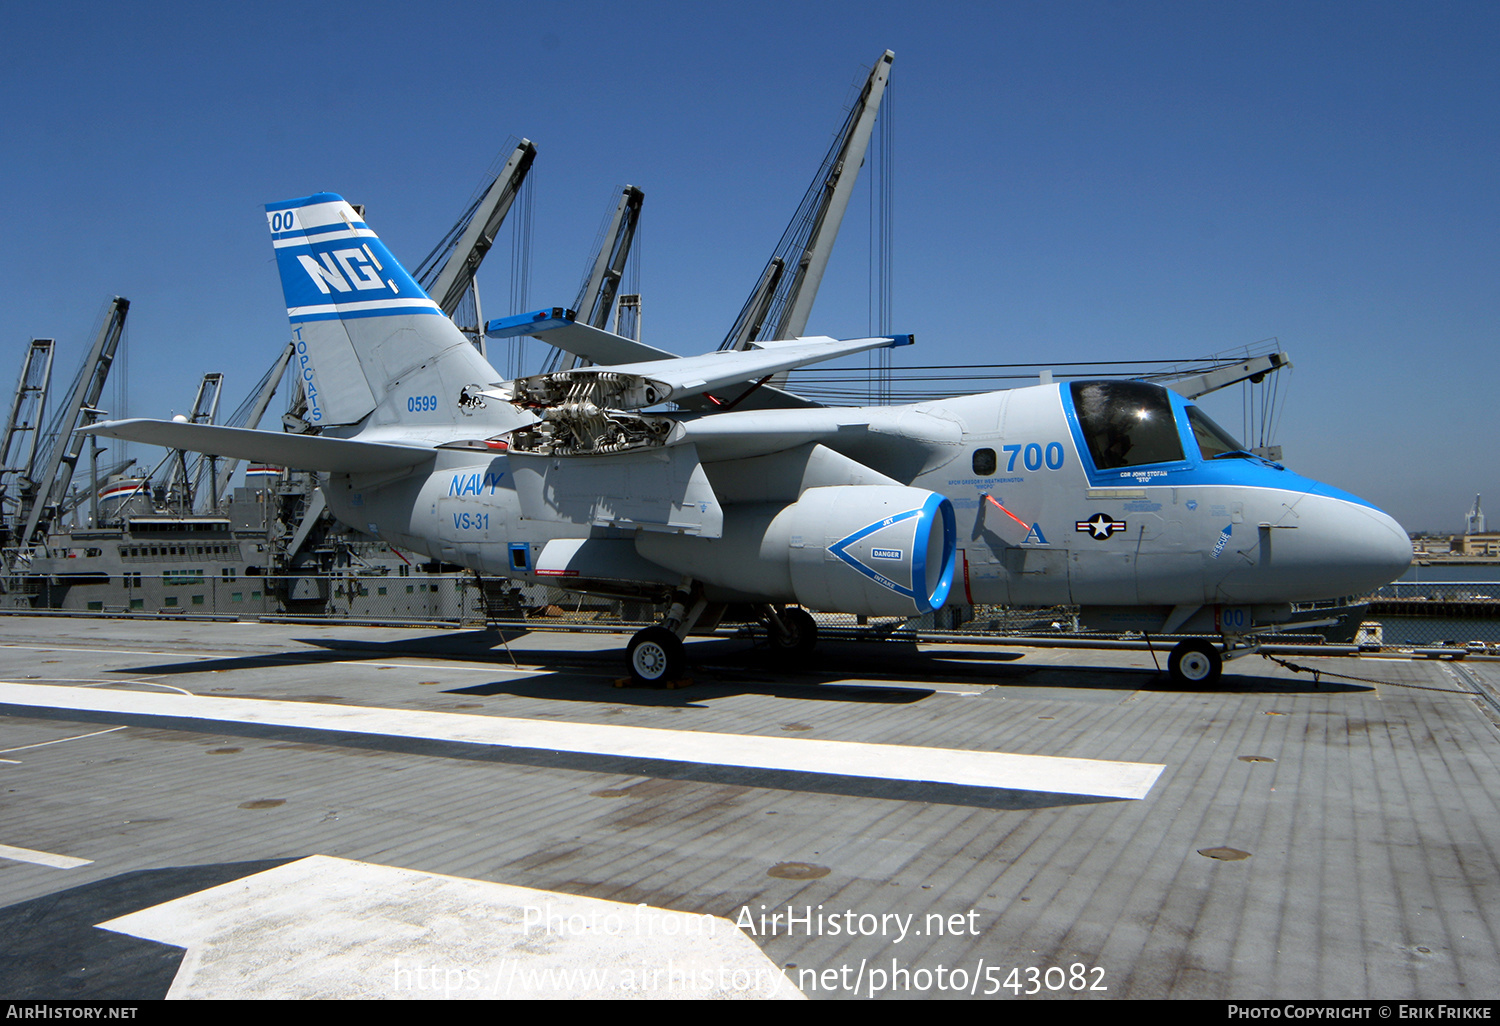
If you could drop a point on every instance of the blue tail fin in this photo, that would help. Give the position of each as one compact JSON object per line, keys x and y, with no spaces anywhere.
{"x":372,"y":347}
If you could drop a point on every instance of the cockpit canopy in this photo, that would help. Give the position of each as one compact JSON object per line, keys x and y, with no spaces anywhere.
{"x":1131,"y":424}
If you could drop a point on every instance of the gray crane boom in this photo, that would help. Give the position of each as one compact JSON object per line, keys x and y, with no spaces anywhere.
{"x":598,"y":295}
{"x":1253,"y":369}
{"x":787,"y":287}
{"x":69,"y":444}
{"x":262,"y":401}
{"x":838,"y":186}
{"x":457,"y":275}
{"x":27,"y":414}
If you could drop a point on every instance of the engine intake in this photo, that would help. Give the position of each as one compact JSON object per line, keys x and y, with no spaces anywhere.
{"x":873,"y":550}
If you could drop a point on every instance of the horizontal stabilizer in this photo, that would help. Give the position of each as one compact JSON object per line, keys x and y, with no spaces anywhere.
{"x":301,"y":452}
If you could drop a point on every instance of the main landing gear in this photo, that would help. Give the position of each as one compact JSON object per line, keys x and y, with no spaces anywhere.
{"x":793,"y":632}
{"x":656,"y":653}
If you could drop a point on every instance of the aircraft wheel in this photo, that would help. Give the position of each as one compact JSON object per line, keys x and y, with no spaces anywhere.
{"x":655,"y":655}
{"x":1195,"y":662}
{"x":800,"y":634}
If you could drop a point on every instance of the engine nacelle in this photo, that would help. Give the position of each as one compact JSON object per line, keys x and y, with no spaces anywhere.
{"x":875,"y":550}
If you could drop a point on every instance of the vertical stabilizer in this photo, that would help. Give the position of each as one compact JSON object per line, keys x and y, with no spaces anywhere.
{"x":371,"y":347}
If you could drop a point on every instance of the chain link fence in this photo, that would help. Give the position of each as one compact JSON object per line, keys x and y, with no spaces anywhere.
{"x":1439,"y":614}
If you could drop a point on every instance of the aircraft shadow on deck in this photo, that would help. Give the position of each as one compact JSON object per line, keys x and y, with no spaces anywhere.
{"x":468,"y":646}
{"x":843,"y":662}
{"x":900,"y":672}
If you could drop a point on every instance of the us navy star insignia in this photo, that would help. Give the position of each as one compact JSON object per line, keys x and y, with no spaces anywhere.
{"x":1100,"y":526}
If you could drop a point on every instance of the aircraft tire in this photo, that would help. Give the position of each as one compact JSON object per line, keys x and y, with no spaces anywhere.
{"x":800,"y":636}
{"x":1195,"y":663}
{"x":655,"y":655}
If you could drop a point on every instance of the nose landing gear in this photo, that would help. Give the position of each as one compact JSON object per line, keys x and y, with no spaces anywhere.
{"x":1195,"y":662}
{"x":1199,"y":662}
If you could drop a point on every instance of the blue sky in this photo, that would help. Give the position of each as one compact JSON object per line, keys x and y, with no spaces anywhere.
{"x":1073,"y":181}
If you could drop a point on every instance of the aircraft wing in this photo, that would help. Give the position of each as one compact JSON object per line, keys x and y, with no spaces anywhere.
{"x":678,"y":378}
{"x":305,"y":452}
{"x":689,"y":374}
{"x":557,"y":327}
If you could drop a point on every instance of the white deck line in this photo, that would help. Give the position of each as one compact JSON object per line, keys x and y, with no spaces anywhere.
{"x":331,"y":928}
{"x":41,"y":858}
{"x":1051,"y":774}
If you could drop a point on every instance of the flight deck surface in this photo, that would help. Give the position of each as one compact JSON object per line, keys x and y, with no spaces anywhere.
{"x":334,"y":810}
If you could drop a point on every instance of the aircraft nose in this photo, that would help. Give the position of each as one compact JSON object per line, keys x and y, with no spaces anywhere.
{"x":1363,"y":548}
{"x":1389,"y":547}
{"x":1328,"y":545}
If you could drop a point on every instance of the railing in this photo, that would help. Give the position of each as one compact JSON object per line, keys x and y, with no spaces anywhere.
{"x":1440,"y":591}
{"x":454,"y":597}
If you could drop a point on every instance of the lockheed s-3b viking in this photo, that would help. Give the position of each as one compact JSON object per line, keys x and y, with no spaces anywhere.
{"x":1120,"y":497}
